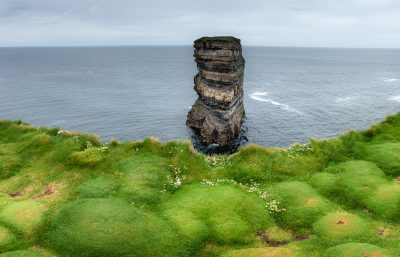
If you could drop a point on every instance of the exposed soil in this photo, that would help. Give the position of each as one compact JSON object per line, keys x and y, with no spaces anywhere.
{"x":273,"y":243}
{"x":383,"y":231}
{"x":341,"y":222}
{"x":21,"y":192}
{"x":16,"y":194}
{"x":48,"y":190}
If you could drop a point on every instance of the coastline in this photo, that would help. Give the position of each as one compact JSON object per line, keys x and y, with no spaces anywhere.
{"x":74,"y":195}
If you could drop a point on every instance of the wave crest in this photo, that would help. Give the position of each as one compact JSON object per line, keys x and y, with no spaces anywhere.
{"x":395,"y":98}
{"x":260,"y":96}
{"x":390,"y":79}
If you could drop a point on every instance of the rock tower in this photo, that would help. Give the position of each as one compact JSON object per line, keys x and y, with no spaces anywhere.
{"x":218,"y":112}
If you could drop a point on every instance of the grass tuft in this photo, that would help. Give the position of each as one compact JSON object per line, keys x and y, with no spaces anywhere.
{"x":386,"y":156}
{"x":23,"y":216}
{"x":109,"y":227}
{"x":68,"y":194}
{"x":338,"y":227}
{"x":357,"y":249}
{"x":223,"y":213}
{"x":301,"y":205}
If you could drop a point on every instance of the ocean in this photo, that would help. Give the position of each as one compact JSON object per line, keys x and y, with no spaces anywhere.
{"x":128,"y":93}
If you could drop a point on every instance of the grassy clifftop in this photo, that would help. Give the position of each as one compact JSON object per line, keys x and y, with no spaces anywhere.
{"x":66,"y":194}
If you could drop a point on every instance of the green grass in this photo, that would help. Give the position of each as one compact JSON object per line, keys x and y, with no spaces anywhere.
{"x":385,"y":201}
{"x":360,"y":184}
{"x":340,"y":227}
{"x":299,"y":204}
{"x":23,"y":253}
{"x":261,"y":252}
{"x":111,"y":227}
{"x":7,"y":238}
{"x":68,"y":194}
{"x":386,"y":156}
{"x":23,"y":216}
{"x":357,"y":249}
{"x":100,"y":187}
{"x":225,"y":214}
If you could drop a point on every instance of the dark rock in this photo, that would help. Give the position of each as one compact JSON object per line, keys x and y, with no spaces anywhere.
{"x":218,"y":112}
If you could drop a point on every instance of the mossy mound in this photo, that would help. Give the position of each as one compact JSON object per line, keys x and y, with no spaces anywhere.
{"x":100,"y":187}
{"x":7,"y":239}
{"x":40,"y":140}
{"x":260,"y":252}
{"x":339,"y":226}
{"x":300,"y":203}
{"x":359,"y":179}
{"x":88,"y":157}
{"x":222,"y":213}
{"x":144,"y":176}
{"x":22,"y":253}
{"x":154,"y":199}
{"x":4,"y":200}
{"x":352,"y":181}
{"x":276,"y":234}
{"x":357,"y":250}
{"x":386,"y":156}
{"x":24,"y":216}
{"x":360,"y":167}
{"x":110,"y":227}
{"x":385,"y":201}
{"x":324,"y":182}
{"x":9,"y":165}
{"x":251,"y":163}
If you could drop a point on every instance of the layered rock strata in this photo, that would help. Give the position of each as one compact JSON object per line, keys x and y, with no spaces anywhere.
{"x":218,"y":112}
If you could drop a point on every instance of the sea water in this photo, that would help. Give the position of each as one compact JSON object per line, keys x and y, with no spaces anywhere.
{"x":128,"y":93}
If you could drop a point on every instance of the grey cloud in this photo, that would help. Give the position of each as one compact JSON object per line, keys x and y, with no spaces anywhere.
{"x":341,"y":23}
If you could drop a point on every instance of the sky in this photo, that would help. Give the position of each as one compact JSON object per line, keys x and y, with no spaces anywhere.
{"x":303,"y":23}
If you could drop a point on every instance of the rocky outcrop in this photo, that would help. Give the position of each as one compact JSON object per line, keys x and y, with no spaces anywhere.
{"x":218,"y":112}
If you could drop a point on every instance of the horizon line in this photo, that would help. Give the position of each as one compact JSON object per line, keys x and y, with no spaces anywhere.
{"x":178,"y":45}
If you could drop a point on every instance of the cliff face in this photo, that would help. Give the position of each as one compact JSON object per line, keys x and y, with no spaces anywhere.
{"x":218,"y":112}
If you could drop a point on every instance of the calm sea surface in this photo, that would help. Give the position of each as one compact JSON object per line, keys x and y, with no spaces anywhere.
{"x":291,"y":94}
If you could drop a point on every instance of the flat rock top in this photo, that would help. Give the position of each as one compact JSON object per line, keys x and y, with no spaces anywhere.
{"x":216,"y":43}
{"x":218,"y":38}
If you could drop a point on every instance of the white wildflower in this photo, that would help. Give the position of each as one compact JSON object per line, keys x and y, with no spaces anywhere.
{"x":273,"y":206}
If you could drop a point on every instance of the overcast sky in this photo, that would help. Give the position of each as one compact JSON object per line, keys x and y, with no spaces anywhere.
{"x":324,"y":23}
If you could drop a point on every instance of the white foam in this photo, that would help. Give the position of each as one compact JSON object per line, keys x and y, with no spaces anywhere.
{"x":344,"y":99}
{"x":260,"y":96}
{"x":395,"y":98}
{"x":390,"y":80}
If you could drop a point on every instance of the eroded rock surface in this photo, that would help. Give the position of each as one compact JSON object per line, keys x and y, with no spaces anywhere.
{"x":218,"y":112}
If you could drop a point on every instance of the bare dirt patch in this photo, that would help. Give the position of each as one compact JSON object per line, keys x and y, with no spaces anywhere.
{"x":265,"y":236}
{"x":383,"y":231}
{"x":21,"y":192}
{"x":341,"y":222}
{"x":48,"y":190}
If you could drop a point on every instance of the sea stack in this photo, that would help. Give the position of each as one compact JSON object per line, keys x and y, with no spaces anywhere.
{"x":218,"y":112}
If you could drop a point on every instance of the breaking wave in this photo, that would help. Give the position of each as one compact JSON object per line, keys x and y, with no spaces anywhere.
{"x":395,"y":98}
{"x":390,"y":79}
{"x":261,"y":96}
{"x":346,"y":99}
